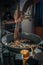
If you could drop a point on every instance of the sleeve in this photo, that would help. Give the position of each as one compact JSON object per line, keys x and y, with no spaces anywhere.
{"x":29,"y":3}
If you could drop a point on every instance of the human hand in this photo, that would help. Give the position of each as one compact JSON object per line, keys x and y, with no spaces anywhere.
{"x":18,"y":18}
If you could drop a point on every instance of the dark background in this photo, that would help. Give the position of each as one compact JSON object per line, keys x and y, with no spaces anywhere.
{"x":7,"y":7}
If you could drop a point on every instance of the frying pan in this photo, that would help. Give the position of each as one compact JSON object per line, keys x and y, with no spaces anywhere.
{"x":10,"y":37}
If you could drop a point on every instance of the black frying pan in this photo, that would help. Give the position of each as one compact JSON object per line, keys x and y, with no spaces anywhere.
{"x":9,"y":38}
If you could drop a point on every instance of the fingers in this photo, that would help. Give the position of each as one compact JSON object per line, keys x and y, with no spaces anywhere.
{"x":20,"y":18}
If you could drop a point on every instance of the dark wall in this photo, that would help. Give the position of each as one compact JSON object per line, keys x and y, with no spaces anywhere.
{"x":38,"y":16}
{"x":7,"y":7}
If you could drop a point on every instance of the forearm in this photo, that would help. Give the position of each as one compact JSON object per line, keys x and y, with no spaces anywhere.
{"x":9,"y":22}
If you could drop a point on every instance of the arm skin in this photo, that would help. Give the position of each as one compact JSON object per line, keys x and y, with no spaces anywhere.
{"x":12,"y":21}
{"x":8,"y":22}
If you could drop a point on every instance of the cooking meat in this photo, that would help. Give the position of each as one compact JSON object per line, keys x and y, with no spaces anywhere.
{"x":20,"y":43}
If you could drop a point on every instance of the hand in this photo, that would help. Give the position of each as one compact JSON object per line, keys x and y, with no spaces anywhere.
{"x":20,"y":18}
